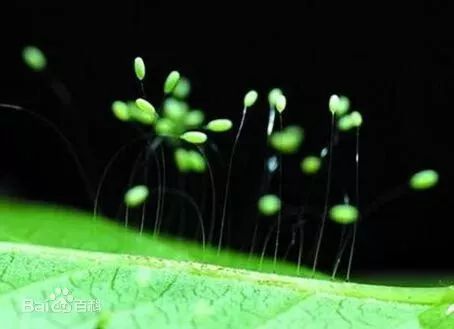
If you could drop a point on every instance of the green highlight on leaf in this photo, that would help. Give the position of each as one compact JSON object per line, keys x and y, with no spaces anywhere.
{"x":182,"y":89}
{"x":171,"y":82}
{"x":281,"y":103}
{"x":136,"y":196}
{"x":288,"y":140}
{"x":310,"y":165}
{"x":250,"y":98}
{"x":139,"y":68}
{"x":424,"y":179}
{"x":34,"y":58}
{"x":219,"y":125}
{"x":269,"y":204}
{"x":121,"y":110}
{"x":344,"y":214}
{"x":194,"y":137}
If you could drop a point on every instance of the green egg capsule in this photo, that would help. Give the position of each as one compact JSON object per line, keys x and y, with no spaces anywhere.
{"x":424,"y":180}
{"x":310,"y":165}
{"x":269,"y":205}
{"x":182,"y":160}
{"x":219,"y":125}
{"x":287,"y":141}
{"x":137,"y":114}
{"x":194,"y":137}
{"x":345,"y":123}
{"x":175,"y":109}
{"x":34,"y":58}
{"x":171,"y":82}
{"x":165,"y":127}
{"x":281,"y":103}
{"x":343,"y":106}
{"x":145,"y":106}
{"x":273,"y":95}
{"x":139,"y":68}
{"x":250,"y":98}
{"x":197,"y":162}
{"x":356,"y":119}
{"x":120,"y":110}
{"x":136,"y":196}
{"x":182,"y":89}
{"x":344,"y":214}
{"x":194,"y":119}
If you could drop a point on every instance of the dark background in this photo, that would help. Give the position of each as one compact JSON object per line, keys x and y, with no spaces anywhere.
{"x":399,"y":77}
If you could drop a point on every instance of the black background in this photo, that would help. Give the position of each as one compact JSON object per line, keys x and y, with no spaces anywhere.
{"x":397,"y":72}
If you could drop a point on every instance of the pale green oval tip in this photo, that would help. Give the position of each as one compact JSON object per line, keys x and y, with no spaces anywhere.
{"x":250,"y":98}
{"x":139,"y":68}
{"x":333,"y":103}
{"x":165,"y":127}
{"x":272,"y":96}
{"x":344,"y":214}
{"x":120,"y":110}
{"x":175,"y":109}
{"x":424,"y":179}
{"x":182,"y":160}
{"x":288,"y":140}
{"x":136,"y":195}
{"x":343,"y":106}
{"x":310,"y":165}
{"x":194,"y":119}
{"x":269,"y":205}
{"x":182,"y":89}
{"x":34,"y":58}
{"x":194,"y":137}
{"x":281,"y":103}
{"x":171,"y":82}
{"x":197,"y":162}
{"x":219,"y":125}
{"x":345,"y":123}
{"x":356,"y":119}
{"x":145,"y":106}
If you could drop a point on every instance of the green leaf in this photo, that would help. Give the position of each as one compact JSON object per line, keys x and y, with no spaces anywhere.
{"x":136,"y":291}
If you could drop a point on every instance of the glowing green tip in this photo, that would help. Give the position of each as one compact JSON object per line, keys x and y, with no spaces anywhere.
{"x":182,"y":160}
{"x":197,"y":162}
{"x":136,"y":196}
{"x":250,"y":98}
{"x":344,"y":214}
{"x":424,"y":180}
{"x":171,"y":82}
{"x":288,"y":140}
{"x":269,"y":205}
{"x":194,"y":137}
{"x":281,"y":103}
{"x":145,"y":106}
{"x":175,"y":109}
{"x":343,"y":106}
{"x":165,"y":127}
{"x":34,"y":58}
{"x":356,"y":118}
{"x":333,"y":103}
{"x":139,"y":68}
{"x":273,"y":95}
{"x":310,"y":165}
{"x":182,"y":89}
{"x":137,"y":114}
{"x":194,"y":119}
{"x":345,"y":123}
{"x":219,"y":125}
{"x":120,"y":110}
